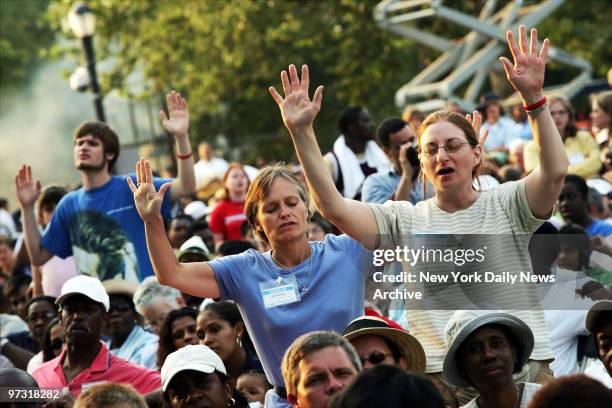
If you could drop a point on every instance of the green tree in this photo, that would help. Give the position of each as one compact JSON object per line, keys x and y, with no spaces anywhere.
{"x":224,"y":54}
{"x":24,"y":33}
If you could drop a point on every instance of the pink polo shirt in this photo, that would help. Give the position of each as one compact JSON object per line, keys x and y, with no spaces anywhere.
{"x":106,"y":367}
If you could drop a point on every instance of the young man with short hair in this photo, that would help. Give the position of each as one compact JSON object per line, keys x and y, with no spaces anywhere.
{"x":98,"y":223}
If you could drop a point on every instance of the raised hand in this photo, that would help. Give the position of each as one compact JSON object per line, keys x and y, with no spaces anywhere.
{"x":148,"y":202}
{"x":297,"y":109}
{"x":177,"y":121}
{"x":527,"y":73}
{"x":27,"y":190}
{"x":476,"y":121}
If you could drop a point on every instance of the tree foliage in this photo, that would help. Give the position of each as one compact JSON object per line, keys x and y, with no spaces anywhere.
{"x":224,"y":54}
{"x":23,"y":34}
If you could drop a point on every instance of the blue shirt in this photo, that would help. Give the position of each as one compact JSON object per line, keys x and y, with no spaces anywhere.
{"x":501,"y":133}
{"x":334,"y":275}
{"x":380,"y":187}
{"x":140,"y":348}
{"x":598,"y":227}
{"x":103,"y":230}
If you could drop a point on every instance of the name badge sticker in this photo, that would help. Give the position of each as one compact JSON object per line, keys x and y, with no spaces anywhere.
{"x":280,"y":291}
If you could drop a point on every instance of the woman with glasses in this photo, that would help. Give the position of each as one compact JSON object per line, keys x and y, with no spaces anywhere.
{"x":177,"y":330}
{"x":451,"y":158}
{"x":581,"y":148}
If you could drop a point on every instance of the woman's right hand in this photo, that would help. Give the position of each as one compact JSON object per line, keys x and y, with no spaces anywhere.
{"x":148,"y":202}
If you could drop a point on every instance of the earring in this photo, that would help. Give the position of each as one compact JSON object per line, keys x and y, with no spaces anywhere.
{"x":231,"y":402}
{"x":239,"y":341}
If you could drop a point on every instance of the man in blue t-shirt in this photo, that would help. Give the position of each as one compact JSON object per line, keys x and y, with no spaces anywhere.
{"x":98,"y":223}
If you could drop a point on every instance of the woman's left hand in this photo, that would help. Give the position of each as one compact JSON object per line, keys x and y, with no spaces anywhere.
{"x":527,"y":73}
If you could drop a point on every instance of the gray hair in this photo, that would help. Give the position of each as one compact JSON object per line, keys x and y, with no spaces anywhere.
{"x":150,"y":291}
{"x":307,"y":344}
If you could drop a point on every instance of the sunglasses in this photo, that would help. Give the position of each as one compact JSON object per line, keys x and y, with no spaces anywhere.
{"x":375,"y":358}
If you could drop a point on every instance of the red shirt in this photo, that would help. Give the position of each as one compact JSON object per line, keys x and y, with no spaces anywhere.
{"x":106,"y":367}
{"x":227,"y":219}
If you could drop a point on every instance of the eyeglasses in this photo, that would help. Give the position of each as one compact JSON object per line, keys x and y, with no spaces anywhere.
{"x":375,"y":358}
{"x":431,"y":150}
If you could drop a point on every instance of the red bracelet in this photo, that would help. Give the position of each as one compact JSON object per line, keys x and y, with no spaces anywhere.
{"x":535,"y":105}
{"x":184,"y":156}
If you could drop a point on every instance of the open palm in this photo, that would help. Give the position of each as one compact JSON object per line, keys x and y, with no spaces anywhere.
{"x":296,"y":108}
{"x":148,"y":202}
{"x":177,"y":121}
{"x":27,"y":190}
{"x":527,"y":73}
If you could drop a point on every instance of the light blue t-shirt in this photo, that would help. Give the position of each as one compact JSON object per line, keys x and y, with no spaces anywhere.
{"x":103,"y":230}
{"x":380,"y":187}
{"x":334,"y":276}
{"x":140,"y":348}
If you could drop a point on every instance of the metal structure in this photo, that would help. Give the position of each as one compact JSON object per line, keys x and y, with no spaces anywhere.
{"x":470,"y":59}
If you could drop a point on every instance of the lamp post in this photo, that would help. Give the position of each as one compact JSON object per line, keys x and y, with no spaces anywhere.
{"x":83,"y":23}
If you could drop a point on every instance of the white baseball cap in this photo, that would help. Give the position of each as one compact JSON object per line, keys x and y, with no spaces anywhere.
{"x":195,"y":357}
{"x":197,"y":210}
{"x":87,"y":286}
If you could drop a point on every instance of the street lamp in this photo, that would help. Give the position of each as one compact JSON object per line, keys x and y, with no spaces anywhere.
{"x":83,"y":23}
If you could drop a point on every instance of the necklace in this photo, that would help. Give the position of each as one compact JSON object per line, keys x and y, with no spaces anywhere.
{"x":305,"y":285}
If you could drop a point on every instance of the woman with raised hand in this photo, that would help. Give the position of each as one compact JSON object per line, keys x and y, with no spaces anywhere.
{"x":451,"y":157}
{"x":281,"y":294}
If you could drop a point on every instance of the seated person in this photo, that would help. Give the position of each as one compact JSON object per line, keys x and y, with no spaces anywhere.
{"x":20,"y":347}
{"x":195,"y":375}
{"x":377,"y":342}
{"x":574,"y":207}
{"x":316,"y":366}
{"x":599,"y":323}
{"x":484,"y":351}
{"x":84,"y":306}
{"x":128,"y":339}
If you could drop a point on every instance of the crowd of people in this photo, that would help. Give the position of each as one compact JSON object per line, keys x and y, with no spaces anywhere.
{"x":236,"y":286}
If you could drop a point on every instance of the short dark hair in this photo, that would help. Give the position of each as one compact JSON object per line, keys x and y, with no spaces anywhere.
{"x":43,"y":298}
{"x":348,"y":117}
{"x":390,"y":387}
{"x":234,"y":247}
{"x":388,"y":127}
{"x":580,"y":184}
{"x":51,"y":195}
{"x":105,"y":134}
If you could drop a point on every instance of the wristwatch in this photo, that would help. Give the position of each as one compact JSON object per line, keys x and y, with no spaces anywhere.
{"x":3,"y":342}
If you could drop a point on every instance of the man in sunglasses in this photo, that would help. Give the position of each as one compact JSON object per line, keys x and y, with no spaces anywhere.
{"x":20,"y":347}
{"x":377,"y":343}
{"x":128,"y":339}
{"x":86,"y":360}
